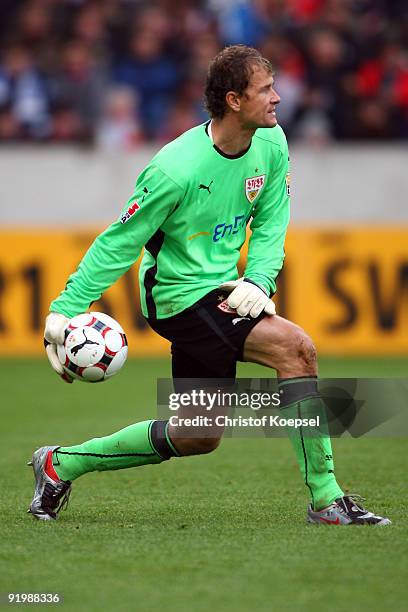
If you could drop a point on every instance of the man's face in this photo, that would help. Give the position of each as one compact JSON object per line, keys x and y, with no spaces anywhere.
{"x":259,"y":100}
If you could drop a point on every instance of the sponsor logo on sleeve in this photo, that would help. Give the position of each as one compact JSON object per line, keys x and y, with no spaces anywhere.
{"x":128,"y":214}
{"x":253,"y":187}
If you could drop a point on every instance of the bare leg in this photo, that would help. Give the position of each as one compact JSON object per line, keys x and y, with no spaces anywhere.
{"x":193,"y":439}
{"x":280,"y":344}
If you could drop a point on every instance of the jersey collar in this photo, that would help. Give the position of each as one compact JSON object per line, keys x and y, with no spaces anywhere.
{"x":236,"y":156}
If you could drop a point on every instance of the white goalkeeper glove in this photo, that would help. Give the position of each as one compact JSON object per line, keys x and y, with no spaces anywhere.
{"x":54,"y":334}
{"x":248,"y":297}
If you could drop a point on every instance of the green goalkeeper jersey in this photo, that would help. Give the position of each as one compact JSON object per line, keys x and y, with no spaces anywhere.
{"x":190,"y":209}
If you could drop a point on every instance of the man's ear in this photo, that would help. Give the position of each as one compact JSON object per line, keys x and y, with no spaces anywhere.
{"x":233,"y":101}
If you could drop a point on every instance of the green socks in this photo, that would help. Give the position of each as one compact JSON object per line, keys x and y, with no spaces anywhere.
{"x":300,"y":399}
{"x":148,"y":442}
{"x":139,"y":444}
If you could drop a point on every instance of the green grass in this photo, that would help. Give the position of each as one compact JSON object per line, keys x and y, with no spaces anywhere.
{"x":219,"y":532}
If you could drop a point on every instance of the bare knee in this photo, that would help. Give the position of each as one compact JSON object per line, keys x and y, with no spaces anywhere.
{"x":296,"y":355}
{"x":207,"y":445}
{"x":301,"y":352}
{"x":306,"y":350}
{"x":282,"y":345}
{"x":196,"y":446}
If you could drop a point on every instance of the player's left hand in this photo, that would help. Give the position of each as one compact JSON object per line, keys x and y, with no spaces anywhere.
{"x":248,"y":297}
{"x":55,"y":324}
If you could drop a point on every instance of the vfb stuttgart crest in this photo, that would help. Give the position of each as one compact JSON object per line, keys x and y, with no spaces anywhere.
{"x":253,"y":186}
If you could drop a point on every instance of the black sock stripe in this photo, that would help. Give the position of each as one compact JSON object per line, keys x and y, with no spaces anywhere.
{"x":292,"y":390}
{"x":149,"y":435}
{"x":105,"y":456}
{"x":159,"y":440}
{"x":282,"y":381}
{"x":304,"y":456}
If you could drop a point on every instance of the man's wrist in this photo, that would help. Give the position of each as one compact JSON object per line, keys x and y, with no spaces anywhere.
{"x":249,"y":280}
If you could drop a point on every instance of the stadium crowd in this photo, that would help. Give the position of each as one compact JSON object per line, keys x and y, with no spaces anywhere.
{"x":123,"y":72}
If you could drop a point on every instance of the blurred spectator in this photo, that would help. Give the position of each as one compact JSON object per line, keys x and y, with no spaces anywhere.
{"x":90,"y":29}
{"x":80,"y":83}
{"x":305,"y":12}
{"x":24,"y":91}
{"x":290,"y":78}
{"x":119,"y":128}
{"x":246,"y":22}
{"x":326,"y":66}
{"x":372,"y":121}
{"x":384,"y":80}
{"x":188,"y":109}
{"x":10,"y":130}
{"x":202,"y":50}
{"x":152,"y":74}
{"x":341,"y":66}
{"x":34,"y":26}
{"x":67,"y":125}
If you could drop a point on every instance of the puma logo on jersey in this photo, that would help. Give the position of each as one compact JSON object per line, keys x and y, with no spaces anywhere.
{"x":207,"y":187}
{"x":145,"y":193}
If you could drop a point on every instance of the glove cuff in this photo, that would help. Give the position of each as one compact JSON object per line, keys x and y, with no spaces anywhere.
{"x":248,"y":280}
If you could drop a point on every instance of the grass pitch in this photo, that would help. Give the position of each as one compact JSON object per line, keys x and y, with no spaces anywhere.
{"x":223,"y":532}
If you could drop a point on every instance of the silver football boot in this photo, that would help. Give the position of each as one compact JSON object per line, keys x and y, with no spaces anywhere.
{"x":345,"y":510}
{"x":50,"y":496}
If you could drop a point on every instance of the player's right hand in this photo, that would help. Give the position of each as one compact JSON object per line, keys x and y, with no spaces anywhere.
{"x":247,"y":297}
{"x":54,"y":334}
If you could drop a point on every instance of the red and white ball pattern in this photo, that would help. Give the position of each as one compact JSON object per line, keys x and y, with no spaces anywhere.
{"x":95,"y":347}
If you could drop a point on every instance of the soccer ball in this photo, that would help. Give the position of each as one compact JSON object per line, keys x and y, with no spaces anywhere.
{"x":95,"y":347}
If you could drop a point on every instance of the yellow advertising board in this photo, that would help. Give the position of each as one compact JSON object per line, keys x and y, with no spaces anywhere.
{"x":347,"y":287}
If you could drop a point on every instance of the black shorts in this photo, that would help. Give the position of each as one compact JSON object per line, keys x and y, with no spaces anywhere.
{"x":207,"y":339}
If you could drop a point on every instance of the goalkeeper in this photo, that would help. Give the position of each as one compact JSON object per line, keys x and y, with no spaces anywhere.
{"x":190,"y":209}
